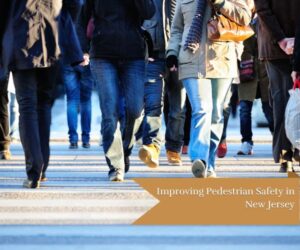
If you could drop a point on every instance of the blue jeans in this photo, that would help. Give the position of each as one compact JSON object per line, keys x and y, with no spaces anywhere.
{"x":78,"y":84}
{"x":207,"y":101}
{"x":246,"y":121}
{"x":175,"y":117}
{"x":111,"y":77}
{"x":153,"y":98}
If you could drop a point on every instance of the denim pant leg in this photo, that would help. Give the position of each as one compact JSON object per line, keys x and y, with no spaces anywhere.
{"x":176,"y":94}
{"x":106,"y":75}
{"x":246,"y":121}
{"x":72,"y":86}
{"x":153,"y":103}
{"x":132,"y":77}
{"x":86,"y":86}
{"x":199,"y":94}
{"x":268,"y":112}
{"x":226,"y":112}
{"x":45,"y":93}
{"x":220,"y":88}
{"x":13,"y":114}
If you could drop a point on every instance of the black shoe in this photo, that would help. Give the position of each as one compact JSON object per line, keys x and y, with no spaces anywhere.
{"x":31,"y":183}
{"x":127,"y":163}
{"x":297,"y":155}
{"x":286,"y":167}
{"x":73,"y":145}
{"x":86,"y":145}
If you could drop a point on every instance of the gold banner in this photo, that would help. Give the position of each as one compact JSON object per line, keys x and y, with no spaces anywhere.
{"x":223,"y":201}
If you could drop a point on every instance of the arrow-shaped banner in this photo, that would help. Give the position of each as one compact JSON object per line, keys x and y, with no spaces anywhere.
{"x":223,"y":201}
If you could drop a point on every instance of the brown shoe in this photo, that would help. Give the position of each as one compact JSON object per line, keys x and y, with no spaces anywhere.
{"x":149,"y":155}
{"x":174,"y":158}
{"x":5,"y":155}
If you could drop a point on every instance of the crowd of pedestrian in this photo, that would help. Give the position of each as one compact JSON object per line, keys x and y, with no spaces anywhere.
{"x":147,"y":58}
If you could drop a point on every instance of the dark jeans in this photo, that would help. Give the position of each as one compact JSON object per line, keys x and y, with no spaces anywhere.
{"x":279,"y":73}
{"x":113,"y":76}
{"x":78,"y":83}
{"x":246,"y":121}
{"x":4,"y":123}
{"x":174,"y":111}
{"x":34,"y":91}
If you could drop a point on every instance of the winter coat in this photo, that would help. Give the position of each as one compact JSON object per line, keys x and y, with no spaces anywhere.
{"x":117,"y":33}
{"x":159,"y":26}
{"x":277,"y":20}
{"x":30,"y":33}
{"x":212,"y":59}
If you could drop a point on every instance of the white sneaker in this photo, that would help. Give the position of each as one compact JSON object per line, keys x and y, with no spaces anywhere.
{"x":246,"y":149}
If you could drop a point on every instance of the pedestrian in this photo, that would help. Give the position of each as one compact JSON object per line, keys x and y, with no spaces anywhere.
{"x":159,"y":28}
{"x":78,"y":82}
{"x":206,"y":69}
{"x":276,"y":29}
{"x":30,"y":38}
{"x":117,"y":55}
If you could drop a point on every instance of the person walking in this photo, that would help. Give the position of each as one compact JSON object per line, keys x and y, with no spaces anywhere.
{"x":206,"y":69}
{"x":276,"y":29}
{"x":30,"y":38}
{"x":118,"y":64}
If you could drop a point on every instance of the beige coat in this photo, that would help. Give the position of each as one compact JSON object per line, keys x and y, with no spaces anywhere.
{"x":212,"y":59}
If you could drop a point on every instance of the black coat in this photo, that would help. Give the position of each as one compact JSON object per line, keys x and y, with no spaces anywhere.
{"x":30,"y":36}
{"x":296,"y":65}
{"x":117,"y":33}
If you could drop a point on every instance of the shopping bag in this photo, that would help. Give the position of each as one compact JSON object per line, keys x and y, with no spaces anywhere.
{"x":292,"y":118}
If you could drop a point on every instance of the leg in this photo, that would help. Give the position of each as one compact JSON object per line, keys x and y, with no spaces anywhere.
{"x":26,"y":92}
{"x":45,"y":95}
{"x":86,"y":86}
{"x":106,"y":75}
{"x":246,"y":121}
{"x":72,"y":86}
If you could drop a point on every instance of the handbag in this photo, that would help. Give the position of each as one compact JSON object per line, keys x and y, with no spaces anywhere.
{"x":247,"y":70}
{"x":221,"y":28}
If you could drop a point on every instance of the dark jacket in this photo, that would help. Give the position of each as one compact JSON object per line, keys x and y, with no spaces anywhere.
{"x":31,"y":32}
{"x":296,"y":66}
{"x":277,"y":20}
{"x":159,"y":26}
{"x":117,"y":33}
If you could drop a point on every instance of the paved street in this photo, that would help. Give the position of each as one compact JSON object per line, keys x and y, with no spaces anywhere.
{"x":69,"y":211}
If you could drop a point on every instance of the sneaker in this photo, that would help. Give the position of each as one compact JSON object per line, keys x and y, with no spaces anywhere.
{"x":297,"y":155}
{"x":222,"y":149}
{"x":126,"y":163}
{"x":5,"y":155}
{"x":86,"y":145}
{"x":211,"y":174}
{"x":185,"y":149}
{"x":199,"y":169}
{"x":73,"y":145}
{"x":31,"y":184}
{"x":149,"y":155}
{"x":286,"y":167}
{"x":115,"y":175}
{"x":174,"y":158}
{"x":246,"y":149}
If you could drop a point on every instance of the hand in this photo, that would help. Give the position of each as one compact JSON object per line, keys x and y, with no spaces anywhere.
{"x":295,"y":75}
{"x":172,"y":62}
{"x":86,"y":60}
{"x":193,"y":47}
{"x":287,"y":45}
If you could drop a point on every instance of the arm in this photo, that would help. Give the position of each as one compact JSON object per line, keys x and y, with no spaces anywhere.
{"x":145,"y":8}
{"x":236,"y":10}
{"x":4,"y":12}
{"x":296,"y":56}
{"x":73,"y":7}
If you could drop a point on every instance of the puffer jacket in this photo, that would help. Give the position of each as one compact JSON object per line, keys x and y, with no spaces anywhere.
{"x":117,"y":33}
{"x":212,"y":59}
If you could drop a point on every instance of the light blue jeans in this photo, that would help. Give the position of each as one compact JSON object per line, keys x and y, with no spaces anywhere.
{"x":207,"y":101}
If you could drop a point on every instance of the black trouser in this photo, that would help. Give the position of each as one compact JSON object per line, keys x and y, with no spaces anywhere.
{"x":34,"y":92}
{"x":4,"y":123}
{"x":279,"y":73}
